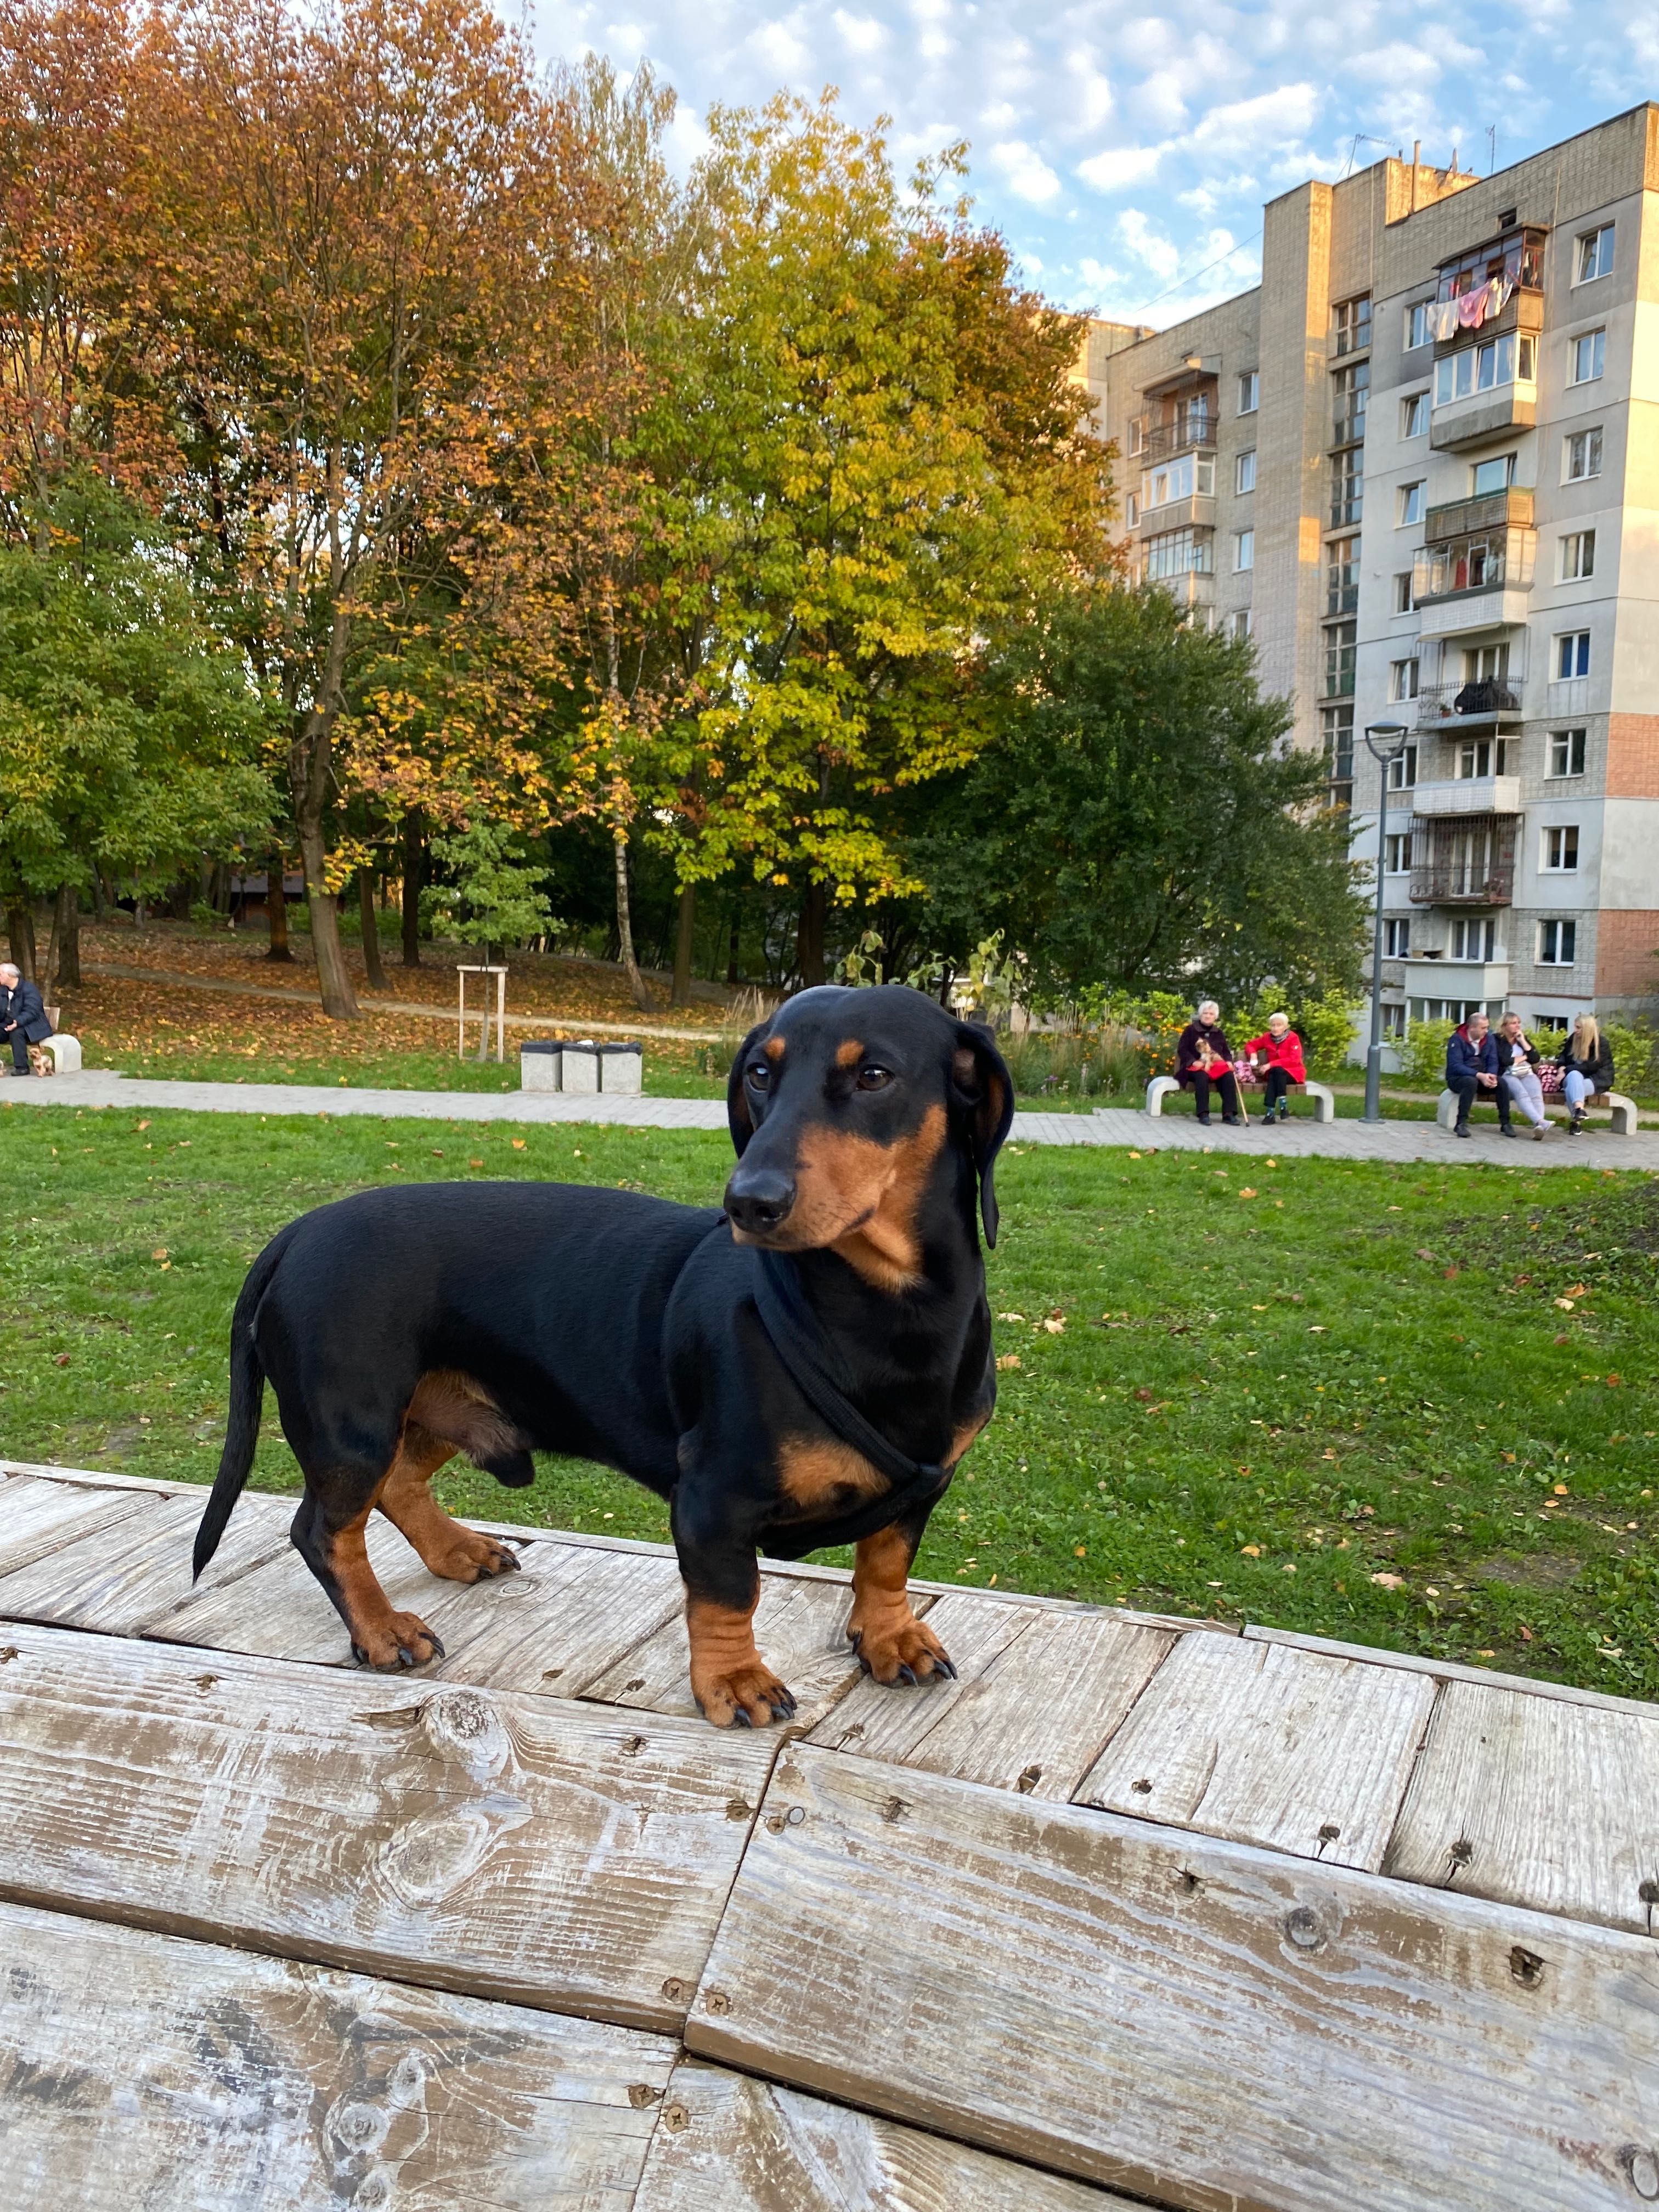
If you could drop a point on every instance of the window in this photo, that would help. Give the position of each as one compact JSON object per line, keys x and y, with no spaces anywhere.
{"x":1240,"y":621}
{"x":1396,"y":937}
{"x":1414,"y":415}
{"x":1177,"y":553}
{"x":1403,"y":601}
{"x":1132,"y":509}
{"x":1393,"y":1022}
{"x":1402,"y":772}
{"x":1402,"y":680}
{"x":1582,"y":453}
{"x":1347,"y":488}
{"x":1488,"y":477}
{"x":1417,"y":332}
{"x":1567,"y":752}
{"x":1342,"y":576}
{"x":1137,"y":433}
{"x":1557,"y":943}
{"x":1481,"y":756}
{"x":1397,"y":852}
{"x":1560,"y":849}
{"x":1412,"y":503}
{"x":1244,"y":551}
{"x":1571,"y":654}
{"x":1340,"y":648}
{"x":1578,"y":556}
{"x":1188,"y":474}
{"x":1351,"y":395}
{"x":1249,"y":390}
{"x":1594,"y":254}
{"x":1472,"y":937}
{"x":1486,"y":664}
{"x":1244,"y":471}
{"x":1354,"y":324}
{"x":1585,"y":356}
{"x":1336,"y":731}
{"x":1508,"y":360}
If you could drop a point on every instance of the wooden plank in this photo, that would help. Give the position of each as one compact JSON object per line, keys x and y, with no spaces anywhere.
{"x":800,"y":1625}
{"x":1290,"y":1749}
{"x":93,"y":1478}
{"x":1037,"y":1695}
{"x":39,"y":1517}
{"x":1217,"y":2027}
{"x":526,"y":1848}
{"x":280,"y":1611}
{"x":1451,"y":1670}
{"x":1553,"y":1806}
{"x":729,"y":2144}
{"x":119,"y":1582}
{"x":139,"y":2073}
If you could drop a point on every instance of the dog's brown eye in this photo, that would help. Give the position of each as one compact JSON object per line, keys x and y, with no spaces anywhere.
{"x":871,"y":1077}
{"x":760,"y":1075}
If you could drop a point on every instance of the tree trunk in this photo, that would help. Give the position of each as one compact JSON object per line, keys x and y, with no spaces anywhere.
{"x":734,"y":945}
{"x":372,"y":968}
{"x":642,"y":998}
{"x":334,"y":981}
{"x":683,"y":938}
{"x":411,"y":893}
{"x":276,"y":907}
{"x":220,"y":893}
{"x":809,"y":938}
{"x":20,"y":928}
{"x":66,"y":932}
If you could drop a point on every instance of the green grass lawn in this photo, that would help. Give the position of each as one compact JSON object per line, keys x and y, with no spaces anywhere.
{"x":1264,"y":1386}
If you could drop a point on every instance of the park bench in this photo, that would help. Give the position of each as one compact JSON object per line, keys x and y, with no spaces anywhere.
{"x":64,"y":1049}
{"x":1324,"y":1099}
{"x":1622,"y":1110}
{"x":525,"y":1928}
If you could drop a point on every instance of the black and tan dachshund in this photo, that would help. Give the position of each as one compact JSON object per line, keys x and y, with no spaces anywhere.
{"x":401,"y":1327}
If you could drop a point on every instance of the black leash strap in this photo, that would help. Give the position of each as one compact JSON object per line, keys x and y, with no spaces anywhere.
{"x":812,"y":1362}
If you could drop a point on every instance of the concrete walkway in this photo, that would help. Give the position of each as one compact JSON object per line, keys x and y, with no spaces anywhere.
{"x":1119,"y":1127}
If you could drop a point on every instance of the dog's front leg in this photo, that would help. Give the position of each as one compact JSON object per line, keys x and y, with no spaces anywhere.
{"x":730,"y":1680}
{"x":892,"y":1644}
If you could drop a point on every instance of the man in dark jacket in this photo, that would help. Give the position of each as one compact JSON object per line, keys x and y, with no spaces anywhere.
{"x":1472,"y":1071}
{"x":22,"y":1017}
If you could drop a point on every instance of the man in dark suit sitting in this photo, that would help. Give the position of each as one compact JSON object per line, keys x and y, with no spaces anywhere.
{"x":22,"y":1017}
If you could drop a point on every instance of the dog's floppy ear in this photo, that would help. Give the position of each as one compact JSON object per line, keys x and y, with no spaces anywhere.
{"x":738,"y":1113}
{"x":983,"y":1086}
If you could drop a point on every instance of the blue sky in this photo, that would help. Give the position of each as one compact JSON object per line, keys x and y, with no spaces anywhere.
{"x":1126,"y":156}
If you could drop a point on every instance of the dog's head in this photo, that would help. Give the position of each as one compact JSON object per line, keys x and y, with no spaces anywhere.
{"x":855,"y":1112}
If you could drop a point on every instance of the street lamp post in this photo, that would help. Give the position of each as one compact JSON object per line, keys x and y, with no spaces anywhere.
{"x":1385,"y":742}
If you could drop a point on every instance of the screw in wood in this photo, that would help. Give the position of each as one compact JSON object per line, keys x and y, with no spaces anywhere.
{"x":675,"y":2118}
{"x":675,"y":1990}
{"x":1302,"y":1926}
{"x":641,"y":2094}
{"x":1643,"y":2168}
{"x":795,"y":1815}
{"x":718,"y":2002}
{"x":1029,"y":1780}
{"x":1526,"y":1967}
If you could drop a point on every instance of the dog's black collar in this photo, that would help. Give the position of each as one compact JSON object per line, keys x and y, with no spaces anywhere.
{"x":816,"y":1368}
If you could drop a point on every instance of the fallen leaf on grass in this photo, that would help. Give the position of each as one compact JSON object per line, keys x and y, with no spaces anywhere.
{"x":1246,"y":1192}
{"x":474,"y":1164}
{"x":1526,"y":1633}
{"x":159,"y":1252}
{"x":1565,"y":1305}
{"x":1251,"y":1551}
{"x":1007,"y":1360}
{"x":1390,"y":1581}
{"x":518,"y":1144}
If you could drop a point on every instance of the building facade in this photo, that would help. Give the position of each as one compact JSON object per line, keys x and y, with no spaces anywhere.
{"x":1418,"y":466}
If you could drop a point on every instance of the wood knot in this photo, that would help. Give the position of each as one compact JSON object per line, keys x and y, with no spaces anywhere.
{"x":1642,"y":2169}
{"x":464,"y":1724}
{"x":1142,"y":1788}
{"x":895,"y":1808}
{"x":1526,"y":1967}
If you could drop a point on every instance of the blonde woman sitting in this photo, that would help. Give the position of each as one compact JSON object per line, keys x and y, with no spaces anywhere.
{"x":1586,"y":1065}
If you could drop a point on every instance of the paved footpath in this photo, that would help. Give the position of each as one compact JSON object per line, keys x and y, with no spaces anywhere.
{"x":1122,"y":1127}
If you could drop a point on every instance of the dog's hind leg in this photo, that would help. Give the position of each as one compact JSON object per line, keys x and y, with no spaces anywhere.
{"x":329,"y":1534}
{"x":459,"y":1554}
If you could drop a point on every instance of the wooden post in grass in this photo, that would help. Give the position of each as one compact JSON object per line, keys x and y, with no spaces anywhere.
{"x":500,"y":974}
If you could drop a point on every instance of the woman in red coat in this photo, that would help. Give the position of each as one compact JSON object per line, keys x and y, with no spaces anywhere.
{"x":1281,"y":1050}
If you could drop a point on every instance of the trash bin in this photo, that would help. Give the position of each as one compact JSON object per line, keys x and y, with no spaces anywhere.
{"x":579,"y":1067}
{"x":538,"y":1064}
{"x":622,"y":1069}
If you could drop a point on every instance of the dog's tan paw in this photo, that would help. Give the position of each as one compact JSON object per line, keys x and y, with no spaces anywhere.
{"x":903,"y":1651}
{"x":473,"y":1558}
{"x":745,"y":1697}
{"x":402,"y":1639}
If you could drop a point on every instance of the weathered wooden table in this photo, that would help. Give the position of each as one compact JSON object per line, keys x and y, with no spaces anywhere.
{"x":1221,"y":1920}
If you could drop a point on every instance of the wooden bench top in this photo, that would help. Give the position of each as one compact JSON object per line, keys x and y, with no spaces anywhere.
{"x":1137,"y":1904}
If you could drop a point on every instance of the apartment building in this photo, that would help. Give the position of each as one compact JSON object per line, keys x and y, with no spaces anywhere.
{"x":1418,"y":466}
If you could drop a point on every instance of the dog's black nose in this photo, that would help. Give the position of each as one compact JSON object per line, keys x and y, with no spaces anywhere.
{"x":758,"y":1199}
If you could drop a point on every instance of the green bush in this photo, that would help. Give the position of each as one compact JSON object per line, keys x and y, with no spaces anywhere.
{"x":1423,"y":1053}
{"x":1633,"y":1050}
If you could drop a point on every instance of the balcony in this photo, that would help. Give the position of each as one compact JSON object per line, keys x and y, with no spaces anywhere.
{"x":1470,"y":518}
{"x":1196,"y":512}
{"x":1490,"y":702}
{"x":1467,"y":794}
{"x":1192,"y":430}
{"x":1462,"y":860}
{"x":1426,"y":977}
{"x":1465,"y":567}
{"x":1523,"y":311}
{"x":1195,"y":589}
{"x":1480,"y":416}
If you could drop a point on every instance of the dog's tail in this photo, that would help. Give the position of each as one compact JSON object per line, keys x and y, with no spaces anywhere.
{"x":247,"y":1391}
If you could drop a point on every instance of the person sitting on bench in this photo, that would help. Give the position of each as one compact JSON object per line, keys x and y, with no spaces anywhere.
{"x":1204,"y":1057}
{"x":22,"y":1016}
{"x":1586,"y":1065}
{"x":1473,"y":1072}
{"x":1281,"y":1051}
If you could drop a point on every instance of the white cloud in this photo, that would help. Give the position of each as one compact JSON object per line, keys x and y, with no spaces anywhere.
{"x":1159,"y":253}
{"x":1118,"y":166}
{"x":863,"y":33}
{"x":1092,"y":93}
{"x":1028,"y":175}
{"x":1242,"y":128}
{"x":781,"y":46}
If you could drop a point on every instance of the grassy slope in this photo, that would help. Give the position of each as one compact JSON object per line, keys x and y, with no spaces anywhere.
{"x":1255,"y":1404}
